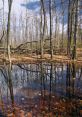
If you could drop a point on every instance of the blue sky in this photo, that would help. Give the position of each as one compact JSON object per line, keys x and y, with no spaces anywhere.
{"x":19,"y":7}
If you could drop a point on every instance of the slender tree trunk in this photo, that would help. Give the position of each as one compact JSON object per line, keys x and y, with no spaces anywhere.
{"x":75,"y":29}
{"x":43,"y":27}
{"x":41,"y":39}
{"x":51,"y":43}
{"x":8,"y":28}
{"x":62,"y":22}
{"x":62,"y":31}
{"x":70,"y":27}
{"x":26,"y":29}
{"x":4,"y":29}
{"x":68,"y":44}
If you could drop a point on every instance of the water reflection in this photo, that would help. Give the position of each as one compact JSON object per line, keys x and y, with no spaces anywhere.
{"x":42,"y":89}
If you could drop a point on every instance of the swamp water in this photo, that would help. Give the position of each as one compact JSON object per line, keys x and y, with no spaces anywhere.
{"x":41,"y":90}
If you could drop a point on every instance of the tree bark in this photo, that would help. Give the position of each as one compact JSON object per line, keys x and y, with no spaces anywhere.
{"x":51,"y":43}
{"x":8,"y":28}
{"x":43,"y":26}
{"x":75,"y":28}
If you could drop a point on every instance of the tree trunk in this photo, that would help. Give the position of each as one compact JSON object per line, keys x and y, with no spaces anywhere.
{"x":68,"y":44}
{"x":51,"y":43}
{"x":42,"y":27}
{"x":75,"y":29}
{"x":62,"y":24}
{"x":8,"y":28}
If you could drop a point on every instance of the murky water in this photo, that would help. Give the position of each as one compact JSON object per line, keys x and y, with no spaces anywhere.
{"x":41,"y":90}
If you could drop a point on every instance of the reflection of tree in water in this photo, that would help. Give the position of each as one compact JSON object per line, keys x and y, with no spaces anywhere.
{"x":69,"y":104}
{"x":8,"y":79}
{"x":52,"y":87}
{"x":51,"y":78}
{"x":10,"y":85}
{"x":72,"y":99}
{"x":68,"y":81}
{"x":42,"y":79}
{"x":73,"y":77}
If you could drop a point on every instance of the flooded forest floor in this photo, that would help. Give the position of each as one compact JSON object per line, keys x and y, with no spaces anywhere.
{"x":36,"y":88}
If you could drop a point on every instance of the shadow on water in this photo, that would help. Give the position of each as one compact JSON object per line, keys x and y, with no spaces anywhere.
{"x":43,"y":89}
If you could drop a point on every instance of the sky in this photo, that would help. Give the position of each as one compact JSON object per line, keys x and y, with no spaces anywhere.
{"x":17,"y":6}
{"x":18,"y":9}
{"x":20,"y":6}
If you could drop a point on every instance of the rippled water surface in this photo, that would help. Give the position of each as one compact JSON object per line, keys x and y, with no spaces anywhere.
{"x":41,"y":90}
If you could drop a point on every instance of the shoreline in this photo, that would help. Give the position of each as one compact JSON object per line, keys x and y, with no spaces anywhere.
{"x":33,"y":59}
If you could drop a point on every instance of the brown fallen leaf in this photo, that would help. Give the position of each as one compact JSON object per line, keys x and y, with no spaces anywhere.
{"x":29,"y":114}
{"x":80,"y":102}
{"x":80,"y":112}
{"x":11,"y":115}
{"x":22,"y":113}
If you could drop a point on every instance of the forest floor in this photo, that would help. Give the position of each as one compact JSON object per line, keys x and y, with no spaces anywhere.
{"x":20,"y":58}
{"x":25,"y":58}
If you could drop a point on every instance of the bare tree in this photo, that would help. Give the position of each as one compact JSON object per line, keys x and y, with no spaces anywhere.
{"x":8,"y":27}
{"x":69,"y":35}
{"x":4,"y":29}
{"x":43,"y":25}
{"x":50,"y":13}
{"x":75,"y":28}
{"x":62,"y":5}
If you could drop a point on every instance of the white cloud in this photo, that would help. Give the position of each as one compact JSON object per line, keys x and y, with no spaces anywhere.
{"x":16,"y":5}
